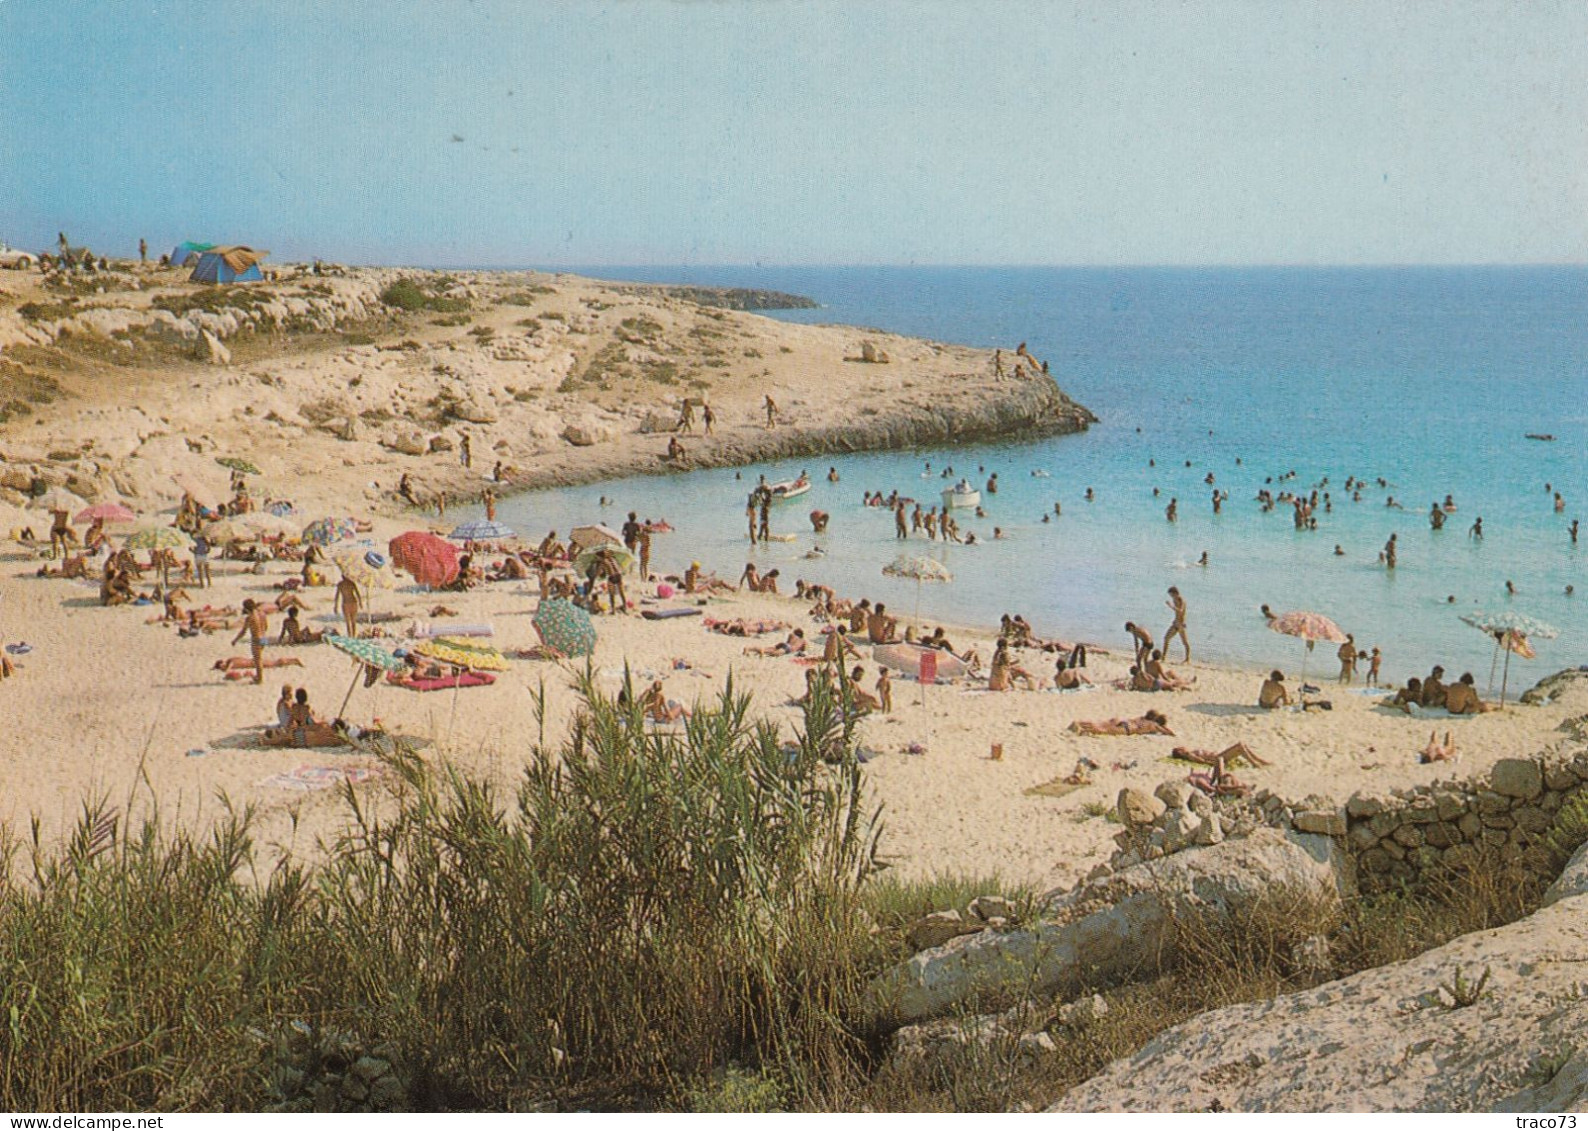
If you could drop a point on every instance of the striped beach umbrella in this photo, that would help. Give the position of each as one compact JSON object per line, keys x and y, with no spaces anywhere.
{"x":566,"y":627}
{"x":618,"y":554}
{"x":237,"y":464}
{"x":918,"y":568}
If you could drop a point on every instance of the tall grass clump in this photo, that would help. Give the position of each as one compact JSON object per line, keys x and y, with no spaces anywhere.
{"x":133,"y":967}
{"x":650,"y":907}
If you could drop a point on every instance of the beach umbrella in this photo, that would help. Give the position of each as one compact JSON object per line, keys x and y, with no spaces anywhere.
{"x":482,"y":530}
{"x":237,"y":464}
{"x":105,"y":512}
{"x":368,"y":569}
{"x":618,"y":554}
{"x":1511,"y":632}
{"x":266,"y":523}
{"x":566,"y":627}
{"x":1311,"y":627}
{"x":465,"y":655}
{"x":324,"y":531}
{"x":432,"y":560}
{"x":906,"y":658}
{"x":585,"y":537}
{"x":919,"y":568}
{"x":156,"y":538}
{"x":57,"y":499}
{"x":371,"y":657}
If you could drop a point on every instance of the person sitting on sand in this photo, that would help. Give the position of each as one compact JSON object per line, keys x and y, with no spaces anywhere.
{"x":293,"y":632}
{"x":768,"y":583}
{"x":880,"y":627}
{"x":1273,"y":694}
{"x":551,"y":548}
{"x":1066,"y":678}
{"x":1436,"y":751}
{"x":751,"y":577}
{"x":657,"y":706}
{"x":508,"y":569}
{"x":1461,"y":698}
{"x":837,"y":646}
{"x":1163,"y":679}
{"x":1408,"y":698}
{"x":302,"y":728}
{"x":284,"y":706}
{"x":864,"y":702}
{"x":1219,"y":782}
{"x":116,"y":588}
{"x":1005,"y":671}
{"x":793,"y":645}
{"x":1152,"y":722}
{"x":1434,"y":692}
{"x":73,"y":567}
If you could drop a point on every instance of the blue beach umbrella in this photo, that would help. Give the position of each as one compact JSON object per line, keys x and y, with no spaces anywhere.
{"x":482,"y":530}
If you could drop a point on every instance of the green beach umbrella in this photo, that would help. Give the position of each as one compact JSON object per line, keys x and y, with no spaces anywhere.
{"x":237,"y":464}
{"x":371,"y":657}
{"x":565,"y":626}
{"x":156,"y":538}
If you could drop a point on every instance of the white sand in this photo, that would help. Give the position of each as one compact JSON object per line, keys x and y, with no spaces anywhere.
{"x":107,"y":704}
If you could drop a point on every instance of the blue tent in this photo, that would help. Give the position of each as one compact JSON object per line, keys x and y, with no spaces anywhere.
{"x":187,"y":253}
{"x":232,"y":264}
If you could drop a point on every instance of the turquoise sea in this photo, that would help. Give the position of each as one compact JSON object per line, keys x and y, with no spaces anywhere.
{"x":1427,"y":377}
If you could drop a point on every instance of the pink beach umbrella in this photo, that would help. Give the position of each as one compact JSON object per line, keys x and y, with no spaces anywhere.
{"x":1311,"y":627}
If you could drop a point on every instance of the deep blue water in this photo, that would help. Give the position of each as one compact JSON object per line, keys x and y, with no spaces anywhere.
{"x":1428,"y":377}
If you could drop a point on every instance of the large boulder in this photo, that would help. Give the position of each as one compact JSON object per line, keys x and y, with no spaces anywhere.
{"x":1517,"y":777}
{"x":475,"y":411}
{"x":1137,"y":808}
{"x":589,"y":433}
{"x":1388,"y":1039}
{"x":1122,"y":923}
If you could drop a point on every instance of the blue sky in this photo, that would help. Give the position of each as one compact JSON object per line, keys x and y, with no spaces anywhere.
{"x":801,"y":133}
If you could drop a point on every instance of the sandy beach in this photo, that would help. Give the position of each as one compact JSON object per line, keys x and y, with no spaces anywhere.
{"x":106,"y":703}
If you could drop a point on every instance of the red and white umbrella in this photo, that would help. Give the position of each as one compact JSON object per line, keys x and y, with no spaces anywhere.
{"x":105,"y":512}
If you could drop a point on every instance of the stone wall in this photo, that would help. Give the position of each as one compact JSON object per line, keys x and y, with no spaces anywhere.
{"x":1403,"y":836}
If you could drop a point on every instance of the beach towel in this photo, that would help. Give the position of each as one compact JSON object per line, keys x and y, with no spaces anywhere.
{"x":669,"y":614}
{"x":443,"y":683}
{"x":1058,"y":787}
{"x":424,"y":630}
{"x":320,"y":777}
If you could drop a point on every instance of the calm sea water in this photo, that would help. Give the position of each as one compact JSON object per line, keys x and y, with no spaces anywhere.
{"x":1429,"y":378}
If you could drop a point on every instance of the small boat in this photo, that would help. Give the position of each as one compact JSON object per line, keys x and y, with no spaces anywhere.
{"x":789,"y":488}
{"x":962,"y":494}
{"x":1540,"y":436}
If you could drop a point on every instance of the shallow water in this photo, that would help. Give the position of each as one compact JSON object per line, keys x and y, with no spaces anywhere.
{"x":1427,"y":377}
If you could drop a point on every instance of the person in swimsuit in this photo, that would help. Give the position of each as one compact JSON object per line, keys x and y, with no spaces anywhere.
{"x":1176,"y":605}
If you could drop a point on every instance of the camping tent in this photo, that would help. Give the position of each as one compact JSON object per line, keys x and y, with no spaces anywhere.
{"x":187,"y":253}
{"x":230,"y":264}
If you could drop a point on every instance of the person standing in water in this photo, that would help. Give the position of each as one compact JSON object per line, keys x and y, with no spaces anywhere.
{"x":1176,"y":605}
{"x":1477,"y":529}
{"x":1347,"y":655}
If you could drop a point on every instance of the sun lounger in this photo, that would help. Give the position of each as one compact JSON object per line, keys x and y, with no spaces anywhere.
{"x":668,"y":614}
{"x":425,"y":630}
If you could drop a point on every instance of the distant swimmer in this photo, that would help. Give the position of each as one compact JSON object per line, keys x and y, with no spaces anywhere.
{"x":1477,"y":529}
{"x":1339,"y":551}
{"x":1560,"y":502}
{"x":1172,"y":511}
{"x":1510,"y":589}
{"x":1038,"y":473}
{"x":832,"y":475}
{"x":1436,"y":517}
{"x":1203,"y":560}
{"x":1573,"y":532}
{"x":1268,"y":614}
{"x":1089,"y":495}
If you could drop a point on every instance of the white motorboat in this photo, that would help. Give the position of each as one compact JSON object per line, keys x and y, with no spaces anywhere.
{"x":789,"y":488}
{"x":962,"y":494}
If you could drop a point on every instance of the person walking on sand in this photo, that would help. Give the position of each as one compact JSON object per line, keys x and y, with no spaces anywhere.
{"x":466,"y":451}
{"x":256,"y":626}
{"x":1348,"y":655}
{"x":1375,"y":659}
{"x":686,"y":417}
{"x":771,"y":411}
{"x":1176,"y":605}
{"x":347,"y":603}
{"x":488,"y":497}
{"x":201,"y":561}
{"x":707,"y":418}
{"x":143,"y":252}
